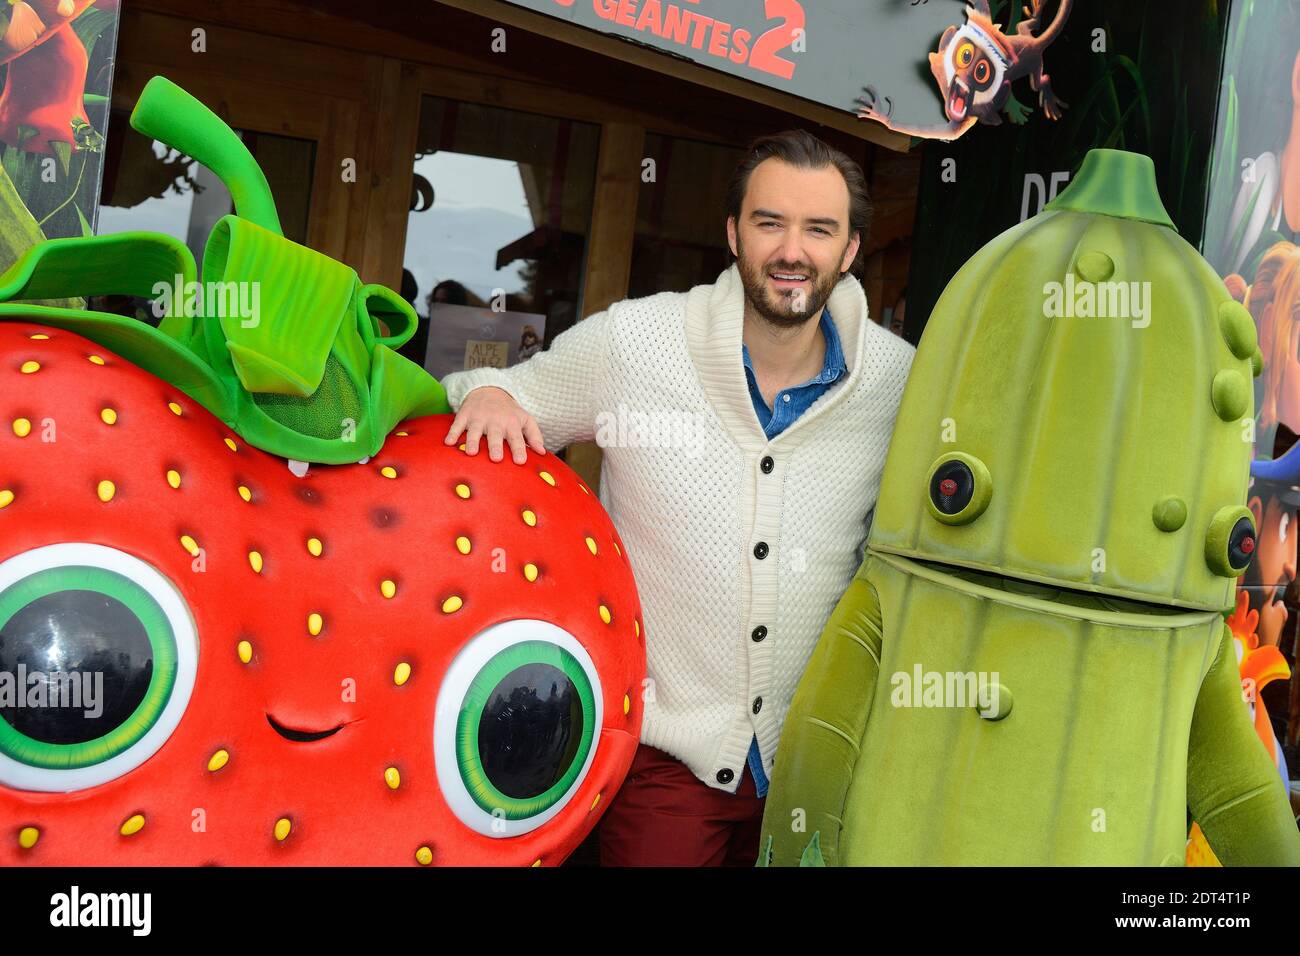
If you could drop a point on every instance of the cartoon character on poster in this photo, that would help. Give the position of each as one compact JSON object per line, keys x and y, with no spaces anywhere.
{"x":253,"y":608}
{"x":1252,"y":228}
{"x":974,"y":68}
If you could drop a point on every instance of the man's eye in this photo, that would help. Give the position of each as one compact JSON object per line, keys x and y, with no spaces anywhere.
{"x":820,"y":231}
{"x":764,"y":225}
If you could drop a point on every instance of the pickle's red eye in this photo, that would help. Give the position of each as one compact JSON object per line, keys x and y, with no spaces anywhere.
{"x":1241,"y":545}
{"x":952,"y":486}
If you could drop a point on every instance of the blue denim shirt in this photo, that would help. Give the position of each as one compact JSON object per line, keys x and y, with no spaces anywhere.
{"x":790,"y":404}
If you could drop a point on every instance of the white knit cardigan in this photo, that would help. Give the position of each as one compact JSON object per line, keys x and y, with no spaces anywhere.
{"x":659,"y":382}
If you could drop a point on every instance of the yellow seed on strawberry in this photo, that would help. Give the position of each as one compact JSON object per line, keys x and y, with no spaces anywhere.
{"x":591,"y":545}
{"x":546,"y":477}
{"x":530,"y":572}
{"x":387,"y":588}
{"x":315,"y":547}
{"x":218,"y":760}
{"x":530,"y":519}
{"x":618,"y":550}
{"x":175,"y":408}
{"x":462,"y":491}
{"x":28,"y":836}
{"x":6,"y":497}
{"x":245,"y":493}
{"x":452,"y":605}
{"x":22,"y":427}
{"x":604,"y":614}
{"x":594,"y":803}
{"x":388,"y":471}
{"x":401,"y":434}
{"x":108,"y":416}
{"x":173,"y":478}
{"x":255,"y":561}
{"x":424,"y":856}
{"x":627,"y":705}
{"x":282,"y":829}
{"x":463,"y":545}
{"x":401,"y":673}
{"x":27,"y":368}
{"x":245,"y":651}
{"x":132,"y":825}
{"x":537,"y":862}
{"x":106,"y":490}
{"x":314,"y":623}
{"x":190,"y":545}
{"x":392,"y":778}
{"x":38,"y":336}
{"x":585,"y":489}
{"x":95,"y":359}
{"x":230,"y":443}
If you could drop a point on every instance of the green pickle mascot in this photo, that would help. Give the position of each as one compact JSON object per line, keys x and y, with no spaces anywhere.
{"x":1031,"y":665}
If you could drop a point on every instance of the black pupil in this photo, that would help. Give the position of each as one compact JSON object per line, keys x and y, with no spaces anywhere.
{"x":951,"y":487}
{"x":74,"y":665}
{"x":530,"y":730}
{"x":1241,"y":545}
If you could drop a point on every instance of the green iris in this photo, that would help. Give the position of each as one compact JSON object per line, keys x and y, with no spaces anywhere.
{"x":70,"y":584}
{"x":525,"y":729}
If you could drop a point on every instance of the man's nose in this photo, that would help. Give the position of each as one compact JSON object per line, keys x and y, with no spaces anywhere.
{"x":792,"y":246}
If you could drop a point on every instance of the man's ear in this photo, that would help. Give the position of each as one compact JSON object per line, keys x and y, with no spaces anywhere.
{"x":1256,"y":507}
{"x":731,"y":235}
{"x":851,"y":252}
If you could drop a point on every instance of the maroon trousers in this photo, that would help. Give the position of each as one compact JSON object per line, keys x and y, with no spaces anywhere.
{"x":665,"y":816}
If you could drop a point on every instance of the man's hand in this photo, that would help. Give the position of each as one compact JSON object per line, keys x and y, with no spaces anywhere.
{"x":492,"y":412}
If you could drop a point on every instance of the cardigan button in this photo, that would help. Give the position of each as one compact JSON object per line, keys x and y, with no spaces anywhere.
{"x":760,"y":550}
{"x":758,"y":634}
{"x":725,"y":775}
{"x":758,"y":704}
{"x":767,"y":464}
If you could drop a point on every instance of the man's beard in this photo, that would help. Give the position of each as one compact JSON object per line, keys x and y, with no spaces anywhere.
{"x":784,"y":310}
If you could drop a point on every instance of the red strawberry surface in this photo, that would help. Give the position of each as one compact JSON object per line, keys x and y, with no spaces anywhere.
{"x":336,"y":627}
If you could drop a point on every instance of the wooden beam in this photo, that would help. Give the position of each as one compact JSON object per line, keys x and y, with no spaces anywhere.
{"x":609,"y":247}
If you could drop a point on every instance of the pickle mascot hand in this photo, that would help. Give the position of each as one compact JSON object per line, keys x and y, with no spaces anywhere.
{"x":393,"y":654}
{"x":1032,"y":665}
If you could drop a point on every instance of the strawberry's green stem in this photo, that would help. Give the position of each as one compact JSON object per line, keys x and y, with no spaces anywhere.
{"x":169,"y":114}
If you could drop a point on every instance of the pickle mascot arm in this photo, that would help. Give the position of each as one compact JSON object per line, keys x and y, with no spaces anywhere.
{"x":1233,"y":789}
{"x":822,"y":736}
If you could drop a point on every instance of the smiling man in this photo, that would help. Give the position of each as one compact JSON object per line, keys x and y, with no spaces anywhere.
{"x":744,"y":529}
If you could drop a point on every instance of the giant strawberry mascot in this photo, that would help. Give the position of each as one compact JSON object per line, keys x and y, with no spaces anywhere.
{"x":391,"y":654}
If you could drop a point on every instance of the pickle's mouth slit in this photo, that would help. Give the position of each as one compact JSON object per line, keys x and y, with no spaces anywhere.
{"x":300,"y":736}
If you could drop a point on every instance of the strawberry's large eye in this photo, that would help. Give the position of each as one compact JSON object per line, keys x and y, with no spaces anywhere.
{"x":97,"y":660}
{"x":517,"y":724}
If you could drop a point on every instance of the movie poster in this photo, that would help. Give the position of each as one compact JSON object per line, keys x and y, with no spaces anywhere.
{"x":57,"y":61}
{"x":1252,"y":238}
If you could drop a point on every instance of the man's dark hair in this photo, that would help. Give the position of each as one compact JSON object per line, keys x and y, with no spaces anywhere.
{"x":802,"y":149}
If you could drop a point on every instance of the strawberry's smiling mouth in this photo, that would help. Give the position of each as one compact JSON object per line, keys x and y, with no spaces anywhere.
{"x":300,"y":736}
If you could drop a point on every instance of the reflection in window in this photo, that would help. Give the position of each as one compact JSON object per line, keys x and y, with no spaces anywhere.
{"x":500,"y":211}
{"x":151,"y":187}
{"x":681,"y":218}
